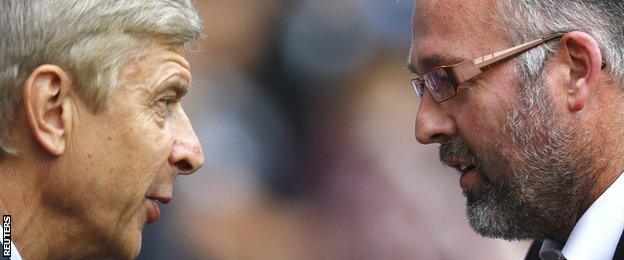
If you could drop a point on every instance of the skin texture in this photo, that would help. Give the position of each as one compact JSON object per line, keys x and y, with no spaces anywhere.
{"x":82,"y":180}
{"x":537,"y":169}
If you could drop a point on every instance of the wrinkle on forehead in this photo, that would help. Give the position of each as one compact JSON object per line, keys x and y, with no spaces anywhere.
{"x":452,"y":16}
{"x":456,"y":28}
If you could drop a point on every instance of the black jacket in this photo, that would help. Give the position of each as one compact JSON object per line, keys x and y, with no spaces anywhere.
{"x":533,"y":253}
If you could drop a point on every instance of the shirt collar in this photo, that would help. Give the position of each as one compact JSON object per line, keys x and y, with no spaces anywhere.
{"x":15,"y":255}
{"x":597,"y":233}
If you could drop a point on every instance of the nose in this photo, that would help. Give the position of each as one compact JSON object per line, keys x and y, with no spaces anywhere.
{"x":186,"y":154}
{"x":433,"y":123}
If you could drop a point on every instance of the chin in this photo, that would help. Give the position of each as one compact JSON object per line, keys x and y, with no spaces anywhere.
{"x":128,"y":245}
{"x":130,"y":250}
{"x":134,"y":246}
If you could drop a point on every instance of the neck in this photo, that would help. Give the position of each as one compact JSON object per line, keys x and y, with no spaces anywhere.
{"x":605,"y":177}
{"x":603,"y":182}
{"x":38,"y":230}
{"x":608,"y":157}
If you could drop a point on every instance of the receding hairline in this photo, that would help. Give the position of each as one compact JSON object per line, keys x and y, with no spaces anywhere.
{"x":484,"y":19}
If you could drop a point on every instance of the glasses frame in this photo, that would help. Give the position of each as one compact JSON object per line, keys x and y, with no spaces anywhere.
{"x":464,"y":71}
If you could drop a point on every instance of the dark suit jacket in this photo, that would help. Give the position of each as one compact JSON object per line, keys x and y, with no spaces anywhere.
{"x":533,"y":253}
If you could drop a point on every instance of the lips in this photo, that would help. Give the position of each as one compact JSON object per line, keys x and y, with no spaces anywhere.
{"x":469,"y":179}
{"x":467,"y":170}
{"x":463,"y":166}
{"x":153,"y":211}
{"x":161,"y":199}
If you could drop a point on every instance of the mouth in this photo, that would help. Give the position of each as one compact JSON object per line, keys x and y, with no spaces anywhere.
{"x":465,"y":168}
{"x":468,"y":173}
{"x":153,"y":211}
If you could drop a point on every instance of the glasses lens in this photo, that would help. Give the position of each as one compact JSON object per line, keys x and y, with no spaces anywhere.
{"x":419,"y":87}
{"x":439,"y":84}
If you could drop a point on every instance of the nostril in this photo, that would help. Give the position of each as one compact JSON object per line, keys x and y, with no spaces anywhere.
{"x":184,"y":165}
{"x":438,"y":138}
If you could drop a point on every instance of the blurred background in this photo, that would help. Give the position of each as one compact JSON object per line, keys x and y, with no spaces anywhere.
{"x":306,"y":117}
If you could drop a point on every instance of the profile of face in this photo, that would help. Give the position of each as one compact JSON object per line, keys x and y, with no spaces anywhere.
{"x":522,"y":167}
{"x":120,"y":163}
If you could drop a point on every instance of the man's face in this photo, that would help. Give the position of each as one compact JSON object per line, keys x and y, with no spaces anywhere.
{"x":522,"y":168}
{"x":122,"y":161}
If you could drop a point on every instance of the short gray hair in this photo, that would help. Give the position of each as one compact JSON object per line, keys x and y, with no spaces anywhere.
{"x":91,"y":39}
{"x":528,"y":20}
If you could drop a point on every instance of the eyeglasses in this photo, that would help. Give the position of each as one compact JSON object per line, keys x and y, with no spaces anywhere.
{"x":443,"y":81}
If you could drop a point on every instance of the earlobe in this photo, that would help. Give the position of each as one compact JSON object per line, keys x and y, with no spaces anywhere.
{"x":578,"y":96}
{"x":584,"y":60}
{"x":47,"y":106}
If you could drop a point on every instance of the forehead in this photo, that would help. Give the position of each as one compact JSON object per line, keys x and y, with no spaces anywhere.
{"x":156,"y":58}
{"x":156,"y":54}
{"x":457,"y":29}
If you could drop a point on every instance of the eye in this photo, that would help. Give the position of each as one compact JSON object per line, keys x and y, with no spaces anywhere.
{"x":444,"y":77}
{"x":470,"y":85}
{"x":163,"y":105}
{"x":169,"y":98}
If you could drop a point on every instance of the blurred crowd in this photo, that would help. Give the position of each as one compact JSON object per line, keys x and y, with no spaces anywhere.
{"x":306,"y":116}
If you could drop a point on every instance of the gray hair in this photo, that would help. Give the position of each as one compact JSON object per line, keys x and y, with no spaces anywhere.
{"x":91,"y":39}
{"x":528,"y":20}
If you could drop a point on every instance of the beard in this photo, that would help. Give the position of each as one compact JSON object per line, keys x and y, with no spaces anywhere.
{"x":538,"y":190}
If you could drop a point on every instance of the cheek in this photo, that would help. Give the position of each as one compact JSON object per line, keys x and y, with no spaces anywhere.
{"x":133,"y":153}
{"x":483,"y":121}
{"x":138,"y":155}
{"x":488,"y":106}
{"x":117,"y":163}
{"x":480,"y":122}
{"x":144,"y":150}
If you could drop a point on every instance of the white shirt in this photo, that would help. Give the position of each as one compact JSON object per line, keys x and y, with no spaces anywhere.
{"x":597,"y":233}
{"x":15,"y":255}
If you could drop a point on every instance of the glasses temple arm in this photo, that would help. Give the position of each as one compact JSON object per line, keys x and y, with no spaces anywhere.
{"x":486,"y":62}
{"x":471,"y":68}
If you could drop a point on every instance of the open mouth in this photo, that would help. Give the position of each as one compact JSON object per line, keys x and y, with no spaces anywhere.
{"x":465,"y":168}
{"x":469,"y":176}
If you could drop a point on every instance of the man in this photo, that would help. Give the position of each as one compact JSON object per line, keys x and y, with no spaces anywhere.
{"x":529,"y":110}
{"x":93,"y":134}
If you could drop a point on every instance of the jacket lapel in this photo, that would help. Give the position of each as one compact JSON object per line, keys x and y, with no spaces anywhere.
{"x":533,"y":253}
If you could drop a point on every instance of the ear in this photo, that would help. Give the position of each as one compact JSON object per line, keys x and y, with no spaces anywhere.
{"x":583,"y":57}
{"x":48,"y":107}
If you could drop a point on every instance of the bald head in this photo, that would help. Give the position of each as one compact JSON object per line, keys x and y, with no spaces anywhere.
{"x":441,"y":14}
{"x":443,"y":28}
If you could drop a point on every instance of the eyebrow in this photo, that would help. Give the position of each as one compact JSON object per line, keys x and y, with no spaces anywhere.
{"x":430,"y":62}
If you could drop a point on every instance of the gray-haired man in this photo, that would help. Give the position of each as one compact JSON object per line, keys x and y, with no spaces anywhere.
{"x":92,"y":133}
